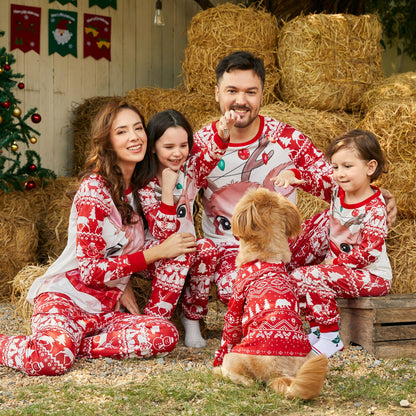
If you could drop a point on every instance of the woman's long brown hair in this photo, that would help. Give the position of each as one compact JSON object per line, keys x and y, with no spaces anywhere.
{"x":102,"y":159}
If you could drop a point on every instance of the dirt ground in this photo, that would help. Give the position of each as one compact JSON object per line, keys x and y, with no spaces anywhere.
{"x":117,"y":373}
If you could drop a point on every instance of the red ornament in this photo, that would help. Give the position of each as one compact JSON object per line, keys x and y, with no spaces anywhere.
{"x":32,"y":167}
{"x":7,"y":67}
{"x":244,"y":154}
{"x":21,"y":85}
{"x":265,"y":157}
{"x":6,"y":104}
{"x":29,"y":185}
{"x":36,"y":118}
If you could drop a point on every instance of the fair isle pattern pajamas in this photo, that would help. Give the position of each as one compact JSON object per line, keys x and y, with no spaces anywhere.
{"x":263,"y":314}
{"x":74,"y":300}
{"x":276,"y":147}
{"x":360,"y":268}
{"x":191,"y":272}
{"x":62,"y":331}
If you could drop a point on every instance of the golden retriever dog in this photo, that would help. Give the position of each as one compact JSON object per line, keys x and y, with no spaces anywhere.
{"x":263,"y":328}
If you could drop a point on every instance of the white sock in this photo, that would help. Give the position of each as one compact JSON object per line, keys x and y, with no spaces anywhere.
{"x":193,"y":337}
{"x":314,"y":335}
{"x":329,"y":343}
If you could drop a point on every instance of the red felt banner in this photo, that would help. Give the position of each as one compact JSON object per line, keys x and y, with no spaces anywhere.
{"x":25,"y":28}
{"x":97,"y":36}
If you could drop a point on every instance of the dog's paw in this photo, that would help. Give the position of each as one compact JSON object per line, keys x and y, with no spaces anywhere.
{"x":217,"y":371}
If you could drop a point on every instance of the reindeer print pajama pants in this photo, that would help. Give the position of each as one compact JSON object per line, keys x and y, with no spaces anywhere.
{"x":170,"y":277}
{"x":61,"y":331}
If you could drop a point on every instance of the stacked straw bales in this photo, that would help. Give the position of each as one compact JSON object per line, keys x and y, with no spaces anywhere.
{"x":320,"y":126}
{"x":397,"y":87}
{"x":218,"y":31}
{"x":327,"y":62}
{"x":390,"y":112}
{"x":197,"y":108}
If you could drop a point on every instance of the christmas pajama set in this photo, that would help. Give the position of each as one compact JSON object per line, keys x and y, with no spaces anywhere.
{"x":74,"y":300}
{"x":276,"y":147}
{"x":191,"y":272}
{"x":357,"y":234}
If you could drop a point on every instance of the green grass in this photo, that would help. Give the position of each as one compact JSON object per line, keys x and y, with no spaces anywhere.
{"x":199,"y":392}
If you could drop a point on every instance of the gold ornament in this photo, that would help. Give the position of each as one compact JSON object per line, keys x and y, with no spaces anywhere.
{"x":1,"y":70}
{"x":15,"y":147}
{"x":1,"y":119}
{"x":33,"y":140}
{"x":16,"y":112}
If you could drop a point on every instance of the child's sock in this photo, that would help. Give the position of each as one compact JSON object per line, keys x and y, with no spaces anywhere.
{"x":329,"y":343}
{"x":314,"y":335}
{"x":193,"y":337}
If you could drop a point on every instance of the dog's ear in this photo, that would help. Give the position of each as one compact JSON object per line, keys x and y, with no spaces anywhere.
{"x":293,"y":221}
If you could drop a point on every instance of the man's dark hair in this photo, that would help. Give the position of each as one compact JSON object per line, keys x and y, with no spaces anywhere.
{"x":242,"y":60}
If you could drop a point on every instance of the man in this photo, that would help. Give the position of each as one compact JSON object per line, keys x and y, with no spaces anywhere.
{"x":262,"y":152}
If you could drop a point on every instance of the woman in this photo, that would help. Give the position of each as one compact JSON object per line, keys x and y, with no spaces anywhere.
{"x":77,"y":302}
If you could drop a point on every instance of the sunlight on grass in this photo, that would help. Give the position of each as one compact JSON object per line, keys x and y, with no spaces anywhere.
{"x":199,"y":392}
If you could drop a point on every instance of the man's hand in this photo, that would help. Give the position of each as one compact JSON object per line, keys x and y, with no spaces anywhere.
{"x":286,"y":178}
{"x":391,"y":206}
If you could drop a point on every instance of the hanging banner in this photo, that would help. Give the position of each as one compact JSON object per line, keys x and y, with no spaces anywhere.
{"x":25,"y":28}
{"x":97,"y":36}
{"x":63,"y":2}
{"x":103,"y":3}
{"x":62,"y":32}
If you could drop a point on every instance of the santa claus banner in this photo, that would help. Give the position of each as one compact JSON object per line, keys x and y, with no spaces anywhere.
{"x":103,"y":3}
{"x":97,"y":36}
{"x":25,"y":28}
{"x":62,"y":32}
{"x":74,"y":2}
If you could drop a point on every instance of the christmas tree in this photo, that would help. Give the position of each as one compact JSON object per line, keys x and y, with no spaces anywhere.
{"x":17,"y":171}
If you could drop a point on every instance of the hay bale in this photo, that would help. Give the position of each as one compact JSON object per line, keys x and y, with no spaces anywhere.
{"x":53,"y":230}
{"x":309,"y":205}
{"x":196,"y":107}
{"x":218,"y":31}
{"x":82,"y":116}
{"x":320,"y":126}
{"x":21,"y":285}
{"x":401,"y":249}
{"x":393,"y":122}
{"x":397,"y":87}
{"x":329,"y":61}
{"x":18,"y":245}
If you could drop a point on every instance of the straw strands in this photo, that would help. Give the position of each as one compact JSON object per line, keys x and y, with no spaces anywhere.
{"x":19,"y":242}
{"x":21,"y":285}
{"x":320,"y":126}
{"x":196,"y":107}
{"x":218,"y":31}
{"x":401,"y":249}
{"x":328,"y":61}
{"x":393,"y":122}
{"x":397,"y":87}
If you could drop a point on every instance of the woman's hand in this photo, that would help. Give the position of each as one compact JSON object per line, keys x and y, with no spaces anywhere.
{"x":175,"y":245}
{"x":128,"y":300}
{"x":287,"y":178}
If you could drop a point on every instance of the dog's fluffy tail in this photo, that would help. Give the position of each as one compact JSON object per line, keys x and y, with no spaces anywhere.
{"x":308,"y":381}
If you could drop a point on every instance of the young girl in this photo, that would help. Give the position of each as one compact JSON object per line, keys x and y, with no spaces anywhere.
{"x":77,"y":301}
{"x":167,"y":203}
{"x":356,"y":263}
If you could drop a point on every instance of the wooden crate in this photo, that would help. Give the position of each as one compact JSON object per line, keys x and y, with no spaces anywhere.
{"x":385,"y":326}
